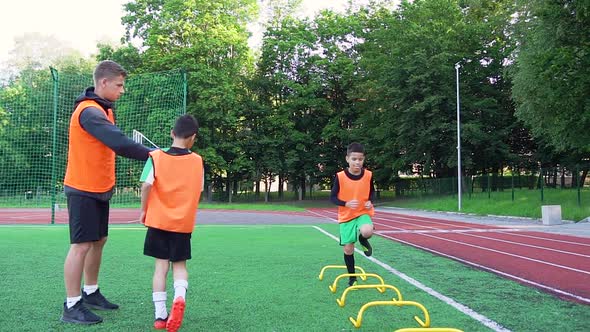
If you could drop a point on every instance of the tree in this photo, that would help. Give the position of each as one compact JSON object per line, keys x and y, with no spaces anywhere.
{"x":552,"y":74}
{"x":209,"y":40}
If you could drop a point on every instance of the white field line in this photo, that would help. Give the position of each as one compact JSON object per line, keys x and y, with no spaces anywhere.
{"x":459,"y":306}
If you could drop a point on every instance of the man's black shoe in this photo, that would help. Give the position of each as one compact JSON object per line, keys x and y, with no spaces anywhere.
{"x":97,"y":301}
{"x":367,"y":249}
{"x":79,"y":314}
{"x":351,"y":281}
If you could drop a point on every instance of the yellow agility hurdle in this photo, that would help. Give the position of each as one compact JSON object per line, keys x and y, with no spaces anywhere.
{"x":361,"y":275}
{"x":423,"y":323}
{"x":429,"y":329}
{"x":321,"y":276}
{"x":381,"y":288}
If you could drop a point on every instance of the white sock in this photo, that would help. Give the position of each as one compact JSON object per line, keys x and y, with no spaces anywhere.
{"x":180,"y":287}
{"x":160,"y":304}
{"x":71,"y":301}
{"x":89,"y":289}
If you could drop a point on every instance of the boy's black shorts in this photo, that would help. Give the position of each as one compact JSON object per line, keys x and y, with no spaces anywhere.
{"x":88,"y":218}
{"x":172,"y":246}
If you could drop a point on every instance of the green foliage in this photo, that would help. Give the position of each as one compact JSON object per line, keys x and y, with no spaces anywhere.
{"x":34,"y":134}
{"x":208,"y":39}
{"x":552,"y":78}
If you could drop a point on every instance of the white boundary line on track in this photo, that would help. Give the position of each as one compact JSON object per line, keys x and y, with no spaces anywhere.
{"x":461,"y":307}
{"x":501,"y":229}
{"x":554,"y":290}
{"x":508,"y":275}
{"x":431,"y":229}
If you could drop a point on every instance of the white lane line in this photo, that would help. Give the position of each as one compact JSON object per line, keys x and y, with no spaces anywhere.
{"x":459,"y":306}
{"x":467,"y":232}
{"x":500,"y":229}
{"x":483,"y":267}
{"x":508,"y":254}
{"x":491,"y":239}
{"x":530,"y":282}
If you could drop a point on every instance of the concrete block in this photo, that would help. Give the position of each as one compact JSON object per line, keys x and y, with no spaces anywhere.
{"x":551,"y":214}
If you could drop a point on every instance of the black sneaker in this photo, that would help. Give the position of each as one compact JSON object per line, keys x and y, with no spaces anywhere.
{"x":351,"y":281}
{"x":79,"y":314}
{"x":367,"y":249}
{"x":97,"y":301}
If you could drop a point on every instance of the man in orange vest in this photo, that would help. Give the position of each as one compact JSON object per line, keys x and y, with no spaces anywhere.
{"x":353,"y":191}
{"x":94,"y":140}
{"x":172,"y":185}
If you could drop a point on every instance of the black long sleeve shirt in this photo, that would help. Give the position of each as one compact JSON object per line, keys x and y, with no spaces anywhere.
{"x":336,"y":187}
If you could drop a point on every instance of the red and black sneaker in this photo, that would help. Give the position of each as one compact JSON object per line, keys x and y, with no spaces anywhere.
{"x":176,"y":315}
{"x":160,"y":323}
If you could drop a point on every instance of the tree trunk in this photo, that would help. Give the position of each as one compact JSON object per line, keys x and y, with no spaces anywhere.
{"x":302,"y":189}
{"x":280,"y":186}
{"x":583,"y":178}
{"x":229,"y":190}
{"x":266,"y":190}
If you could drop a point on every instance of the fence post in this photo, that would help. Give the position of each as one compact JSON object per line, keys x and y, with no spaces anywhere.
{"x":541,"y":180}
{"x":512,"y":181}
{"x":55,"y":77}
{"x":489,"y":187}
{"x":578,"y":183}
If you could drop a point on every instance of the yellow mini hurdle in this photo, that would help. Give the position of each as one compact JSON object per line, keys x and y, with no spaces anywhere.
{"x":381,"y":288}
{"x":423,"y":323}
{"x":361,"y":275}
{"x":321,"y":276}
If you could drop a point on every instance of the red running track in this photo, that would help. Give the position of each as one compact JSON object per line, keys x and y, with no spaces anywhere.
{"x":558,"y":264}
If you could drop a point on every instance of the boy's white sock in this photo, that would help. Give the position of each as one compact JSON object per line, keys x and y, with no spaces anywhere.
{"x":71,"y":301}
{"x":180,"y":287}
{"x":89,"y":289}
{"x":159,"y":299}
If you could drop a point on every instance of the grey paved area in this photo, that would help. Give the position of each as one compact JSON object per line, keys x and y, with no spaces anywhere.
{"x":566,"y":228}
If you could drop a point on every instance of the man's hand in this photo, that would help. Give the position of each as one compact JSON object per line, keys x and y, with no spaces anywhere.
{"x":142,"y":217}
{"x":368,"y":205}
{"x":353,"y":204}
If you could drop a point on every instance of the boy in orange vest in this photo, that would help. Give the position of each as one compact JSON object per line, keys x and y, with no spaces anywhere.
{"x":172,"y":185}
{"x":353,"y":192}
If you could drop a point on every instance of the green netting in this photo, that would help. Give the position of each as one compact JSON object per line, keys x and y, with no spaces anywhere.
{"x":34,"y":119}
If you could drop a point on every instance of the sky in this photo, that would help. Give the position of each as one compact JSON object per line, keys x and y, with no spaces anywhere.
{"x":69,"y":21}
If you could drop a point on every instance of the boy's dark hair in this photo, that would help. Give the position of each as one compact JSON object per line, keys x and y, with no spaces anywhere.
{"x":108,"y":69}
{"x":355,"y":147}
{"x":185,"y":126}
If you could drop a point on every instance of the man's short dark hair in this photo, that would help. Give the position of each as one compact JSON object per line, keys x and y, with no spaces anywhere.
{"x":108,"y":69}
{"x":355,"y":147}
{"x":186,"y":126}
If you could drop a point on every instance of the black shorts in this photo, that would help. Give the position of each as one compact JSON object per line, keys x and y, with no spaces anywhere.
{"x":88,"y":217}
{"x":172,"y":246}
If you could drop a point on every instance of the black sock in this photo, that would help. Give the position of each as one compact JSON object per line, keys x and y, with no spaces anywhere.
{"x":363,"y":239}
{"x":349,"y":261}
